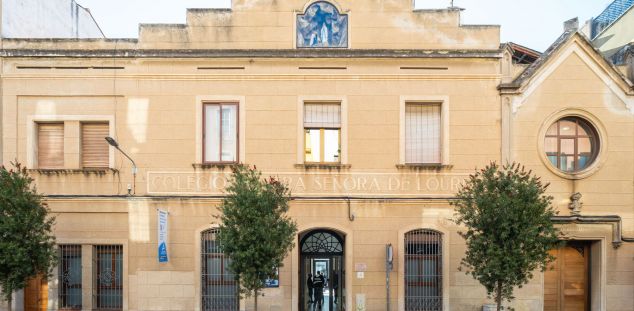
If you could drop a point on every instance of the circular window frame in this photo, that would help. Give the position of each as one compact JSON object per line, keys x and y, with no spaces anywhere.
{"x":601,"y":155}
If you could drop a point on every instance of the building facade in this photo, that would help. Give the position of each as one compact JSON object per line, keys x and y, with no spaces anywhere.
{"x":372,"y":112}
{"x":47,"y":19}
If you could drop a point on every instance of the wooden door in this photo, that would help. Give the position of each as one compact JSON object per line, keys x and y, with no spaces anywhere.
{"x":566,"y":281}
{"x":36,"y":294}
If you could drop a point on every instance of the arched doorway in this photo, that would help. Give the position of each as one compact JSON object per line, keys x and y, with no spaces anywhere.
{"x":322,"y":251}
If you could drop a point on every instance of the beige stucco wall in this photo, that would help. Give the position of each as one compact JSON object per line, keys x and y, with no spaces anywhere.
{"x":154,"y":106}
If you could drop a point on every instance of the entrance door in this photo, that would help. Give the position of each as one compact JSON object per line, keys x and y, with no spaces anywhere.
{"x":321,"y":253}
{"x":36,"y":294}
{"x":566,"y":285}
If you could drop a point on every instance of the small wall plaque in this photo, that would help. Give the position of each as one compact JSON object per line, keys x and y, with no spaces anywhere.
{"x":361,"y":267}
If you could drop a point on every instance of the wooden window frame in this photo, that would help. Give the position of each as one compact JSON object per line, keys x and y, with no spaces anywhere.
{"x":204,"y":136}
{"x":593,"y":137}
{"x":440,"y":137}
{"x":322,"y":144}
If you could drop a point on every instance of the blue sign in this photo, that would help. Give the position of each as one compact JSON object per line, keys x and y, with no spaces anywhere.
{"x":162,"y":236}
{"x":274,"y":282}
{"x":321,"y":26}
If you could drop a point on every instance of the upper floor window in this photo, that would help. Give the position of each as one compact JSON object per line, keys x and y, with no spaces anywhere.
{"x":571,"y":144}
{"x":94,"y":148}
{"x":423,"y":133}
{"x":322,"y":131}
{"x":50,"y":145}
{"x":322,"y":26}
{"x":220,"y":135}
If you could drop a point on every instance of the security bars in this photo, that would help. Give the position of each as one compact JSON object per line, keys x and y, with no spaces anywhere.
{"x":69,"y":277}
{"x":108,"y":277}
{"x":219,"y":285}
{"x":423,"y":270}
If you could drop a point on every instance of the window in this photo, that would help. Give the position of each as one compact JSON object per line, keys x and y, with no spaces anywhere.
{"x":571,"y":144}
{"x":322,"y":132}
{"x":422,"y":133}
{"x":220,"y":133}
{"x":219,"y":285}
{"x":108,"y":277}
{"x":94,"y":148}
{"x":70,"y":277}
{"x":423,"y":270}
{"x":50,"y":145}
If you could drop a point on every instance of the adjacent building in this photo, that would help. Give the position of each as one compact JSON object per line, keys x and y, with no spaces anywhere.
{"x":371,"y":111}
{"x":47,"y":19}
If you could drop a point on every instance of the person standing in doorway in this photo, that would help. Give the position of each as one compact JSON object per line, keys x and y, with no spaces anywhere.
{"x":311,"y":287}
{"x":318,"y":284}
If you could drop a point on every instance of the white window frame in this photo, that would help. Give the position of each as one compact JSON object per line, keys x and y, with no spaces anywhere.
{"x":443,"y":101}
{"x":32,"y":139}
{"x":343,"y":140}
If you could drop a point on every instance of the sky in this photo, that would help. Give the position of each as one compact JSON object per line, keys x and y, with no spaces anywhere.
{"x":533,"y":23}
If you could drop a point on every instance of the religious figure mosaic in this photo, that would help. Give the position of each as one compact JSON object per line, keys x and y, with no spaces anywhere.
{"x":321,"y":26}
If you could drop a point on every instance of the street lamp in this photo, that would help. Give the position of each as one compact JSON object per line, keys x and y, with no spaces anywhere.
{"x":113,"y":143}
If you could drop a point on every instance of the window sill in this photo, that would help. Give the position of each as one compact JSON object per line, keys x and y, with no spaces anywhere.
{"x":209,"y":166}
{"x":84,"y":171}
{"x":323,"y":166}
{"x":424,"y":166}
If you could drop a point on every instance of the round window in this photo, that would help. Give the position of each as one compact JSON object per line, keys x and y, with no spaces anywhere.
{"x":571,"y":144}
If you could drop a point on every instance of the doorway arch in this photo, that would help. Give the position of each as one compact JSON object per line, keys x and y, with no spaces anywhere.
{"x":322,"y":251}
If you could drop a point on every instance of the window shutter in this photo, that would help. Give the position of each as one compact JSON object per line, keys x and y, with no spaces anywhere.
{"x":94,"y":148}
{"x":50,"y":145}
{"x":422,"y":137}
{"x":322,"y":115}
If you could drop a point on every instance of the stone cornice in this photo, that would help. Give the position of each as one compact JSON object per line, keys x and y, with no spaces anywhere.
{"x":249,"y":53}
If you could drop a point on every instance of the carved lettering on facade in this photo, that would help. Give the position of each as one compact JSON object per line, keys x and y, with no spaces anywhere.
{"x":376,"y":184}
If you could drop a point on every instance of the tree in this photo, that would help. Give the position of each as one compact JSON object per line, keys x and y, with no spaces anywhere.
{"x":509,"y":231}
{"x":255,"y":231}
{"x":27,"y":246}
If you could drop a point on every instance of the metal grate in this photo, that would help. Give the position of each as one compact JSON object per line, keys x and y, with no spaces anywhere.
{"x":423,"y":270}
{"x":321,"y":242}
{"x":219,"y":285}
{"x":70,"y":277}
{"x":108,"y":277}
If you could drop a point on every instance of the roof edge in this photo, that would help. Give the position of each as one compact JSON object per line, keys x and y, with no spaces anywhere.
{"x":251,"y":53}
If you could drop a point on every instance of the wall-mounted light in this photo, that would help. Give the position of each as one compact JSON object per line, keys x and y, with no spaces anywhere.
{"x":115,"y":144}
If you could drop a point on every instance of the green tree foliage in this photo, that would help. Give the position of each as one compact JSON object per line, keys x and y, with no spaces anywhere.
{"x":509,"y":231}
{"x":255,"y":231}
{"x":27,"y":246}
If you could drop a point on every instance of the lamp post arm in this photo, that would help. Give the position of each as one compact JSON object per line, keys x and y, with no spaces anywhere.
{"x":134,"y":167}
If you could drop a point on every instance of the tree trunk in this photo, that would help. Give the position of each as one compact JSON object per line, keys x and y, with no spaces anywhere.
{"x":498,"y":295}
{"x":10,"y":303}
{"x":256,"y":300}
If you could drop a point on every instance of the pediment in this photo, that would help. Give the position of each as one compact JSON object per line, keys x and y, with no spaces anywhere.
{"x":570,"y":44}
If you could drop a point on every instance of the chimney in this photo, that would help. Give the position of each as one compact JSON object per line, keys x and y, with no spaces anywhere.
{"x":571,"y":25}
